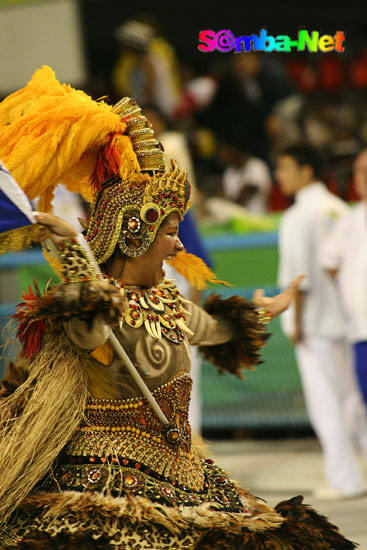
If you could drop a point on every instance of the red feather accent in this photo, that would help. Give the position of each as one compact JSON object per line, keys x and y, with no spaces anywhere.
{"x":107,"y":164}
{"x":30,"y":328}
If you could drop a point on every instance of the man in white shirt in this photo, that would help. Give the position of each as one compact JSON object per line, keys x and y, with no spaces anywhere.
{"x":344,"y":255}
{"x":316,"y":324}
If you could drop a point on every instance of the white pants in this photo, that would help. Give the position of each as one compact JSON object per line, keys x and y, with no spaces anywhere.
{"x":335,"y":409}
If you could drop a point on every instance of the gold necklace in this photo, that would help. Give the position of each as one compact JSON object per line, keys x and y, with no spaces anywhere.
{"x":159,"y":308}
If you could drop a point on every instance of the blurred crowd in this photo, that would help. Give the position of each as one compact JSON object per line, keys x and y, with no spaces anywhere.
{"x":231,"y":115}
{"x":259,"y":133}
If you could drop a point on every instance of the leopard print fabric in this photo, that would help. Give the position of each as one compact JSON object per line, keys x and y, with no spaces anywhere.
{"x":24,"y":535}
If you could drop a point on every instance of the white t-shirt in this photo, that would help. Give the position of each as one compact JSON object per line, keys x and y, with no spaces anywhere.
{"x":304,"y":227}
{"x":346,"y":250}
{"x":254,"y":172}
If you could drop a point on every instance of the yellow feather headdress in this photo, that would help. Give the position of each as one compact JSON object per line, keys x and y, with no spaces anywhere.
{"x":195,"y":270}
{"x":51,"y":133}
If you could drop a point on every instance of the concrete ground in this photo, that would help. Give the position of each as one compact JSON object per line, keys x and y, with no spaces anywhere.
{"x":277,"y":470}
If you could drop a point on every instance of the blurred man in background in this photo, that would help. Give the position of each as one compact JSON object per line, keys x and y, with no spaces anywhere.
{"x":147,"y":68}
{"x":344,"y":256}
{"x":246,"y":178}
{"x":316,"y":324}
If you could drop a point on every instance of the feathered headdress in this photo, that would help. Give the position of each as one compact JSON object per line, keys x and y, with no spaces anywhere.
{"x":51,"y":133}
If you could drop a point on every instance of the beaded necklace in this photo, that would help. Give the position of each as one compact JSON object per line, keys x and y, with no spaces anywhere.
{"x":159,"y":308}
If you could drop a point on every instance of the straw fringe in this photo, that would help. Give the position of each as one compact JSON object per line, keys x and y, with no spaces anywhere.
{"x":38,"y":419}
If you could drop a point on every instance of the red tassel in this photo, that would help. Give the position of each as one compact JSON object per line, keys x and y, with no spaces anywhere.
{"x":30,"y":330}
{"x":107,"y":164}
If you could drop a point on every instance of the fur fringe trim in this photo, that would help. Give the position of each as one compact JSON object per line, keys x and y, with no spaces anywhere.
{"x":201,"y":446}
{"x":75,"y":541}
{"x":87,"y":507}
{"x":303,"y":527}
{"x":306,"y":528}
{"x":248,"y":335}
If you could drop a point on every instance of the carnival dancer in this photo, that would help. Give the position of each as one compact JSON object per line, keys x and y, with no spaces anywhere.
{"x":86,"y":460}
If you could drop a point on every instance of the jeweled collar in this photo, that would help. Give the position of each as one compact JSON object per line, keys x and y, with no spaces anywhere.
{"x":159,"y":308}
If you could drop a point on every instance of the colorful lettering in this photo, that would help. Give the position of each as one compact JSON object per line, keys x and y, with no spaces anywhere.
{"x":225,"y":41}
{"x":326,"y":43}
{"x":339,"y":38}
{"x":209,"y":41}
{"x":304,"y":40}
{"x":243,"y":43}
{"x":283,"y":43}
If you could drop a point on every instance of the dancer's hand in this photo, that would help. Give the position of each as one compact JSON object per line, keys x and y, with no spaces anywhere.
{"x":279,"y":303}
{"x":54,"y":228}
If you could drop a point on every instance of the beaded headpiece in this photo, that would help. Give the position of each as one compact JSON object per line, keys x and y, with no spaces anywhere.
{"x":134,"y":204}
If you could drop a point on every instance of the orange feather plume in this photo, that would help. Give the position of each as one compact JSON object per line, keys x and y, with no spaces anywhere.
{"x":195,"y":270}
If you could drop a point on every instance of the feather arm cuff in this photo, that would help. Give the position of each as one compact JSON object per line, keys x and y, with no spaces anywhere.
{"x":62,"y":302}
{"x":248,"y":335}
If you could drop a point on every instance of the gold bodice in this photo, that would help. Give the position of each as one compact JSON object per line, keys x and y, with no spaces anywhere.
{"x":118,"y":447}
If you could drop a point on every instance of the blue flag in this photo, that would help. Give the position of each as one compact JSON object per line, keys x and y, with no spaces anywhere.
{"x":17,"y":224}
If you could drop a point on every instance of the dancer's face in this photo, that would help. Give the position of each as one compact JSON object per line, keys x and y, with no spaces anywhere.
{"x":147,"y":270}
{"x":165,"y":246}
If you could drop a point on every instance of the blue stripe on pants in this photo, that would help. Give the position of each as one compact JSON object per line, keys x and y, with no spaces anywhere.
{"x":360,"y":358}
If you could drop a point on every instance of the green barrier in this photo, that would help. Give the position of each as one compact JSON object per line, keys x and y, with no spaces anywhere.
{"x":271,"y":396}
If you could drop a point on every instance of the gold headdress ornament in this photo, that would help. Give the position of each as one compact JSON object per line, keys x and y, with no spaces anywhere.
{"x":51,"y":133}
{"x":133,"y":205}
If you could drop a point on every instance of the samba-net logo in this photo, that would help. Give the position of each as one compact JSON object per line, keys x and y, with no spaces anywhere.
{"x":225,"y":41}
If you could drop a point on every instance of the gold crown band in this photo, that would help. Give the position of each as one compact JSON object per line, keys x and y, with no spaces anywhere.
{"x":147,"y":199}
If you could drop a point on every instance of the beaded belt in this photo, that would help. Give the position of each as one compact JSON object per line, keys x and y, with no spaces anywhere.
{"x":217,"y":488}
